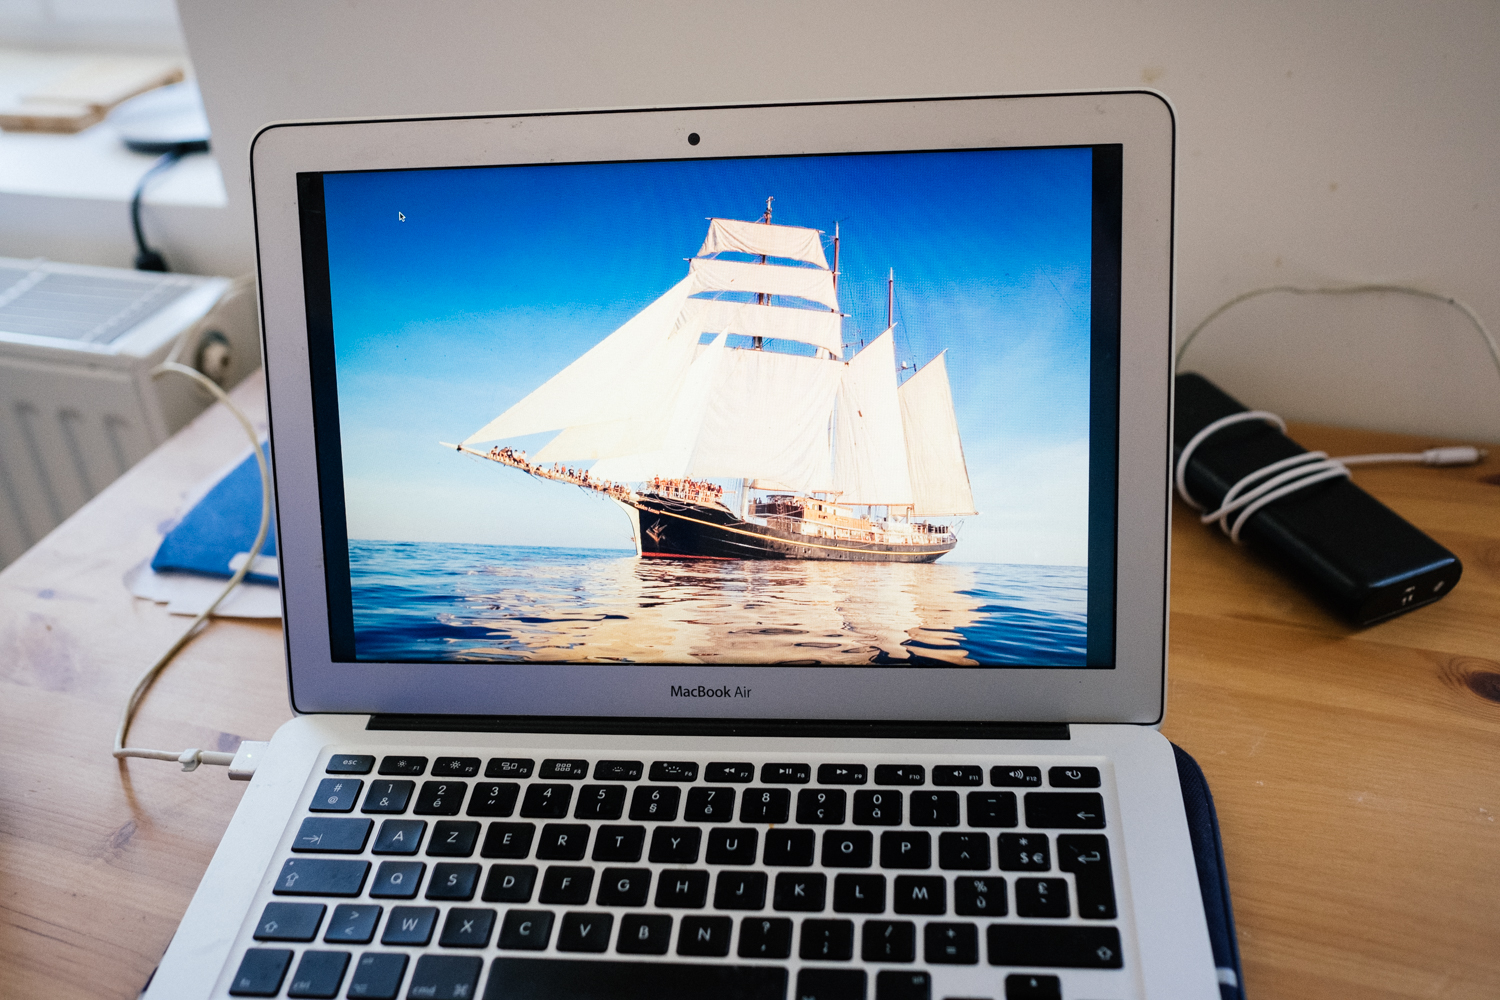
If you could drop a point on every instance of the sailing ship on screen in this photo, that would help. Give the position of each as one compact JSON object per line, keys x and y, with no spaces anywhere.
{"x":827,"y":455}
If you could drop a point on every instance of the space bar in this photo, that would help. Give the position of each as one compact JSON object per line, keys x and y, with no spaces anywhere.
{"x":552,"y":979}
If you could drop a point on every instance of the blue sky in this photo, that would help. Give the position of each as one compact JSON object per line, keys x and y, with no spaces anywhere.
{"x":500,"y":277}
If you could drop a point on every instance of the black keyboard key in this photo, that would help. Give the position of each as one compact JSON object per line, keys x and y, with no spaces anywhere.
{"x":455,"y":767}
{"x":624,"y":887}
{"x":888,"y":941}
{"x":958,"y":774}
{"x":406,"y":766}
{"x":765,"y":937}
{"x":508,"y":840}
{"x":320,"y":877}
{"x":827,"y":940}
{"x":619,"y":843}
{"x":675,"y":845}
{"x":289,"y":922}
{"x":464,"y":928}
{"x":567,"y":886}
{"x":705,"y":937}
{"x":1022,"y":986}
{"x":618,"y":770}
{"x":800,"y":892}
{"x":397,"y":879}
{"x":1042,"y":897}
{"x":848,"y":849}
{"x":347,"y":763}
{"x":902,"y":985}
{"x":261,"y":972}
{"x":766,"y":805}
{"x":785,"y":774}
{"x":600,"y":802}
{"x":352,"y":923}
{"x":1073,"y":777}
{"x":877,"y":808}
{"x":830,"y":984}
{"x":740,"y":891}
{"x":319,"y":975}
{"x":968,"y":852}
{"x":453,"y":881}
{"x":905,"y":849}
{"x":684,"y":889}
{"x":732,"y":846}
{"x":509,"y":767}
{"x":979,"y":897}
{"x":509,"y":884}
{"x":587,"y":932}
{"x":674,"y":770}
{"x":1024,"y":852}
{"x":557,"y":769}
{"x":709,"y":805}
{"x":738,"y":773}
{"x":453,"y":838}
{"x":640,"y":934}
{"x":1015,"y":776}
{"x":327,"y":835}
{"x":934,"y":808}
{"x":336,"y":795}
{"x":377,"y":976}
{"x":821,"y":805}
{"x":859,"y":894}
{"x":654,"y":802}
{"x":547,"y":801}
{"x":446,"y":976}
{"x":842,"y":774}
{"x":524,"y":930}
{"x":789,"y":848}
{"x":1086,"y":855}
{"x":440,"y":798}
{"x":900,"y":774}
{"x":992,"y":809}
{"x":1056,"y":946}
{"x":950,"y":944}
{"x":921,"y":894}
{"x":563,"y":842}
{"x":409,"y":925}
{"x":1065,"y":810}
{"x":494,"y":798}
{"x":388,"y":796}
{"x":551,"y":979}
{"x":399,"y":836}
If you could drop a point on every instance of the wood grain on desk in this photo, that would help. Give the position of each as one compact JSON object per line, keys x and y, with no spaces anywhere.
{"x":1356,"y":772}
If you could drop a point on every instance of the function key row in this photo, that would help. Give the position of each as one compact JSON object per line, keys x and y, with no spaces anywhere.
{"x":779,"y":773}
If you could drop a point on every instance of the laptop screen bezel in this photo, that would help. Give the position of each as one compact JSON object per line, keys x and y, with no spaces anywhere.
{"x":1130,"y":691}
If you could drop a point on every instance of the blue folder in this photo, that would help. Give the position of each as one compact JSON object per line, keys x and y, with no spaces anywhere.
{"x":220,"y":526}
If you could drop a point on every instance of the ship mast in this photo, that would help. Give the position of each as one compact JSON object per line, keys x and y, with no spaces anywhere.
{"x":762,"y":298}
{"x":890,"y":299}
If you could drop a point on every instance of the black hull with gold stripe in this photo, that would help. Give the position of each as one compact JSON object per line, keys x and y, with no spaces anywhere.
{"x":674,"y":529}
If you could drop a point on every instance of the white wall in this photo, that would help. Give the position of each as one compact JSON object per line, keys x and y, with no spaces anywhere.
{"x":1318,"y":143}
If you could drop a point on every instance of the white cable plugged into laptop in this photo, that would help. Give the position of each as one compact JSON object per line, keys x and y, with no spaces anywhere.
{"x":241,"y":762}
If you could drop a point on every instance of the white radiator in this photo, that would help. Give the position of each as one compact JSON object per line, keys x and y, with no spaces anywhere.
{"x":77,"y":403}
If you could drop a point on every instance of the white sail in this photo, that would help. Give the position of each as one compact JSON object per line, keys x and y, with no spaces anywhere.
{"x":934,"y":453}
{"x":765,"y":239}
{"x":751,"y":319}
{"x":870,"y":464}
{"x":774,"y":279}
{"x":635,"y":364}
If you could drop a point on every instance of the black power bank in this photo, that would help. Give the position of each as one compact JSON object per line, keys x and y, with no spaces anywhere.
{"x":1345,"y":547}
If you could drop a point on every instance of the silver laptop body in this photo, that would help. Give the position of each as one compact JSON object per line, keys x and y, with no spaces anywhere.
{"x":723,"y":553}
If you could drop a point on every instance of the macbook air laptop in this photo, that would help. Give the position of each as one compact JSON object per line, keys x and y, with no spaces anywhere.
{"x":724,"y":554}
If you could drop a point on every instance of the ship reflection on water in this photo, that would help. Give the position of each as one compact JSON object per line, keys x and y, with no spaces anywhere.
{"x":426,"y":602}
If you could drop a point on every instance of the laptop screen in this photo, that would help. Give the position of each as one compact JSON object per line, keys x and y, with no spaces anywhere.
{"x":852,"y":409}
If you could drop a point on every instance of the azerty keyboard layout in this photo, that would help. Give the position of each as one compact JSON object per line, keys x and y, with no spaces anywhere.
{"x":840,"y":880}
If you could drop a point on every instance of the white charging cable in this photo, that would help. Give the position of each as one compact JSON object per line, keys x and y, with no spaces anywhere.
{"x":191,"y":758}
{"x":1271,"y":482}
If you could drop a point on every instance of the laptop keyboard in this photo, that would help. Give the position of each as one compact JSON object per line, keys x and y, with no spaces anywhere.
{"x":513,"y":878}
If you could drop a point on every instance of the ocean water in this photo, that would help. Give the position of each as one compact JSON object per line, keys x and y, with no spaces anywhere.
{"x":429,"y":602}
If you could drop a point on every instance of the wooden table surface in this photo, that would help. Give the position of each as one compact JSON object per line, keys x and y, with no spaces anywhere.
{"x":1357,"y":773}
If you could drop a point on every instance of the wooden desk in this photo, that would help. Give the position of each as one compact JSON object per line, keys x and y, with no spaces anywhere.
{"x":1355,"y":772}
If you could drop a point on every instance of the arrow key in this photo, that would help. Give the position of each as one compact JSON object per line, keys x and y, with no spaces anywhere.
{"x":1086,"y":855}
{"x":1065,"y":810}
